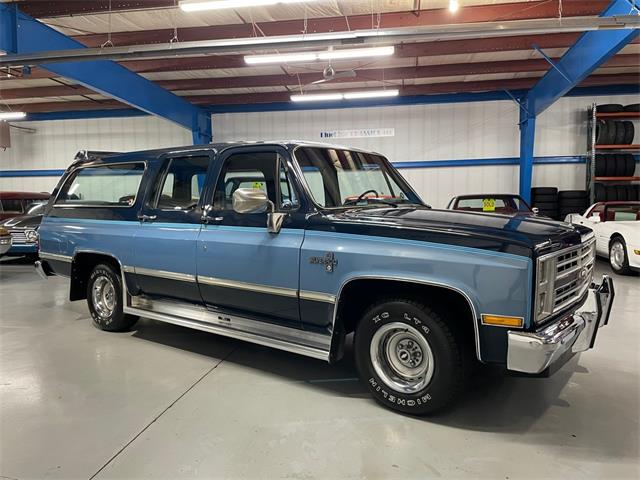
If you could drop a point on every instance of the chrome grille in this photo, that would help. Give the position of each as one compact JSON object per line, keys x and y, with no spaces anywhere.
{"x":574,"y":272}
{"x":18,"y":236}
{"x":563,"y":278}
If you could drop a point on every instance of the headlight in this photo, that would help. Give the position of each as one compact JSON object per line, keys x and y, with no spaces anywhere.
{"x":31,"y":236}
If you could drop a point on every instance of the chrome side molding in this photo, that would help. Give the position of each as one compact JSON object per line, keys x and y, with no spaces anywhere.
{"x":293,"y":340}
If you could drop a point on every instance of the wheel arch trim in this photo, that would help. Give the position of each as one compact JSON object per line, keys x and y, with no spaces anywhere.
{"x":430,"y":283}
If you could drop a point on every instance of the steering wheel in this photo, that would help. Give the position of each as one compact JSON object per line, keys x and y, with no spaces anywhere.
{"x":361,"y":196}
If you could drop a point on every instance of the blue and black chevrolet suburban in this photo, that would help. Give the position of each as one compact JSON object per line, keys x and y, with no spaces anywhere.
{"x":295,"y":245}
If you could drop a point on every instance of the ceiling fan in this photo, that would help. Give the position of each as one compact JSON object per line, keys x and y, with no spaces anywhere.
{"x":330,"y":74}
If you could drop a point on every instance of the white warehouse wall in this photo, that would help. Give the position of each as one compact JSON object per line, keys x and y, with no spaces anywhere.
{"x":458,"y":131}
{"x":55,"y":143}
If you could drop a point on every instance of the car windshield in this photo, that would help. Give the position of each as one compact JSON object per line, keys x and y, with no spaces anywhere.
{"x":492,"y":204}
{"x":338,"y":178}
{"x":623,"y":213}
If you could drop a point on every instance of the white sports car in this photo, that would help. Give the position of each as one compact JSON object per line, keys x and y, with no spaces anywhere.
{"x":617,"y":229}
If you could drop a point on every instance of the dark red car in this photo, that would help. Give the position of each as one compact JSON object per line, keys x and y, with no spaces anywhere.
{"x":505,"y":204}
{"x":13,"y":204}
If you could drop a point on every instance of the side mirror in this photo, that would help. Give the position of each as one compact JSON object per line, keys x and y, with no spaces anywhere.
{"x":253,"y":200}
{"x":535,"y":210}
{"x":595,"y":218}
{"x":250,"y":200}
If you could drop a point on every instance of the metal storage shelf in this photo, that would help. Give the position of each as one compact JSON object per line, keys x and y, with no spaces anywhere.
{"x":617,"y":147}
{"x":616,"y":179}
{"x":621,"y":115}
{"x":592,"y":148}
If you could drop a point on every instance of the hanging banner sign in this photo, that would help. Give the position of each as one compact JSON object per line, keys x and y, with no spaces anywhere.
{"x":359,"y":133}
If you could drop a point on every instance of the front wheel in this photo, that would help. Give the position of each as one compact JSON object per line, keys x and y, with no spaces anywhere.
{"x":618,"y":256}
{"x":409,"y":357}
{"x":104,"y":297}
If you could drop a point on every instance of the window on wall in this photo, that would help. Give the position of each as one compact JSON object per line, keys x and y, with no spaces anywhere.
{"x":104,"y":185}
{"x":181,"y":184}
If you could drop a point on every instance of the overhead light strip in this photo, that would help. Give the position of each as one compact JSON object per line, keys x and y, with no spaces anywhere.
{"x":324,"y":97}
{"x":199,"y":6}
{"x":301,"y":57}
{"x":12,"y":115}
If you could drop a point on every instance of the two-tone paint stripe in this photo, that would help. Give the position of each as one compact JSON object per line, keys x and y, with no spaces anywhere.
{"x":234,"y":284}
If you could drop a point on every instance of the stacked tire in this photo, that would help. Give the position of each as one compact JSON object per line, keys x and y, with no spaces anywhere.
{"x":572,"y":201}
{"x":615,"y":165}
{"x":545,"y":199}
{"x":612,"y":132}
{"x":616,"y":193}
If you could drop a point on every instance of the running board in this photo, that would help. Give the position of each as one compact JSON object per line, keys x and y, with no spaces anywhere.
{"x":293,"y":340}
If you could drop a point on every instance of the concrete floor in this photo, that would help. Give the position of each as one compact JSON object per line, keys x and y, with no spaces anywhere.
{"x":168,"y":402}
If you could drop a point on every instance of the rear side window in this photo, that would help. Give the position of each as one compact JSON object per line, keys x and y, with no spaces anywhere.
{"x":182,"y":183}
{"x":104,"y":185}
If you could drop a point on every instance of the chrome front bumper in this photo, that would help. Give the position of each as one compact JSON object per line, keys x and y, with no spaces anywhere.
{"x":534,"y":352}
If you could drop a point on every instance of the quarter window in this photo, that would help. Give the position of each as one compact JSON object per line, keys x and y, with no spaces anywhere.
{"x":104,"y":185}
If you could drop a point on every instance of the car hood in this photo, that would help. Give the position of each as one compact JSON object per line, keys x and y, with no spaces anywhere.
{"x":23,"y":221}
{"x":519,"y":234}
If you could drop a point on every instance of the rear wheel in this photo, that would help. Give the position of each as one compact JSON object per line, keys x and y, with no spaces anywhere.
{"x":409,"y":357}
{"x":104,"y":297}
{"x":618,"y":256}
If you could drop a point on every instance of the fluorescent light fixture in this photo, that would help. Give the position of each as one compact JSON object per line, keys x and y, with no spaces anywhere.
{"x":12,"y":115}
{"x":371,"y":94}
{"x":199,"y":6}
{"x":319,"y":97}
{"x":323,"y":55}
{"x":453,"y":6}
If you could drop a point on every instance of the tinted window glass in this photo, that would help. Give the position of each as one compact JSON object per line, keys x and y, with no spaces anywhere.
{"x":343,"y":177}
{"x":10,"y":205}
{"x":254,"y":170}
{"x":106,"y":185}
{"x":182,"y":183}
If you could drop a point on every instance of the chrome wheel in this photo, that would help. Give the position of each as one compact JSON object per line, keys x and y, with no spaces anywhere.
{"x":616,"y":256}
{"x":401,"y":357}
{"x":103,"y":296}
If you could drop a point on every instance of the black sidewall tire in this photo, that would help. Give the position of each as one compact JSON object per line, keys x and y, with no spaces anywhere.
{"x":448,"y":374}
{"x":118,"y":321}
{"x":630,"y":165}
{"x":629,"y":132}
{"x":620,"y":133}
{"x":610,"y":108}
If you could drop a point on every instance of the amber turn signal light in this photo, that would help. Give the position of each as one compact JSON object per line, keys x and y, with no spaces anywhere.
{"x":502,"y":321}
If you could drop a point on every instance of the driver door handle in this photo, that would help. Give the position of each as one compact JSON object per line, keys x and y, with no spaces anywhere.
{"x":147,"y":218}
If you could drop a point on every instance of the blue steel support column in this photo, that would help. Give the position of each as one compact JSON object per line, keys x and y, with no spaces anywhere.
{"x":591,"y":50}
{"x":527,"y":140}
{"x":19,"y":33}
